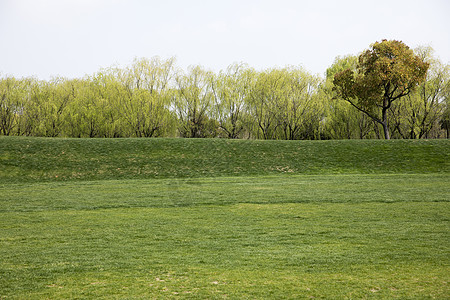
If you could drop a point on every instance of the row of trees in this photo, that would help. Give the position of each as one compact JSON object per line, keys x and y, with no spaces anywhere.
{"x":152,"y":98}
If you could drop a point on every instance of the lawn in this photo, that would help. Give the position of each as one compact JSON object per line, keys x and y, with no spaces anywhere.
{"x":261,"y":233}
{"x":25,"y":159}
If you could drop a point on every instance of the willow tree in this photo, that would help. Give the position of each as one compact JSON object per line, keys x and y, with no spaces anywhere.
{"x":193,"y":102}
{"x":145,"y":105}
{"x":386,"y":72}
{"x":12,"y":93}
{"x":267,"y":91}
{"x":231,"y":90}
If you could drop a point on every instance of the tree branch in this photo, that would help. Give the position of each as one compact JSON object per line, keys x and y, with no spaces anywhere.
{"x":364,"y":111}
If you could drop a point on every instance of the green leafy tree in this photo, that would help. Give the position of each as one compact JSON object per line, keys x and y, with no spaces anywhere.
{"x":231,"y":90}
{"x":145,"y":105}
{"x":342,"y":120}
{"x":266,"y":93}
{"x":193,"y":101}
{"x":12,"y":95}
{"x":299,"y":108}
{"x":30,"y":118}
{"x":88,"y":113}
{"x":424,"y":106}
{"x":341,"y":63}
{"x":284,"y":104}
{"x":386,"y":72}
{"x":50,"y":100}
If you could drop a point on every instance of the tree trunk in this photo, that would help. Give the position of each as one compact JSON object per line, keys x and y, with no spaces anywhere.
{"x":384,"y":122}
{"x":386,"y":131}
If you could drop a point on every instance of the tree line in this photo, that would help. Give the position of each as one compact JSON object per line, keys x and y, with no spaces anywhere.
{"x":154,"y":98}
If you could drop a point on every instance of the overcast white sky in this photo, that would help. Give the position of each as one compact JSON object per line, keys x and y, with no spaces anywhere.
{"x":72,"y":38}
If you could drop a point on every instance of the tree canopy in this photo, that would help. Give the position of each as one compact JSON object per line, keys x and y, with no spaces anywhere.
{"x":386,"y":72}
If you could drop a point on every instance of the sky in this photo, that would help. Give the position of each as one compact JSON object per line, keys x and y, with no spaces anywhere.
{"x":75,"y":38}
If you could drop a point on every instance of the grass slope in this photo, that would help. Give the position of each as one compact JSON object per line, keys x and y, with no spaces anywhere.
{"x":223,"y":219}
{"x":37,"y":159}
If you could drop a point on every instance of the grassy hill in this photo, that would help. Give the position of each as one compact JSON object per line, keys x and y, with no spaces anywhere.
{"x":36,"y":159}
{"x":221,"y":219}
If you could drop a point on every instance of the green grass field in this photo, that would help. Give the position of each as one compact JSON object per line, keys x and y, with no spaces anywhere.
{"x":216,"y":219}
